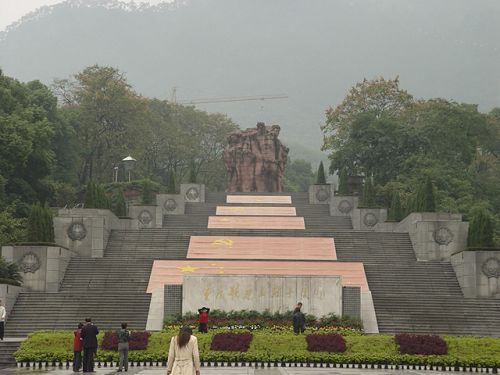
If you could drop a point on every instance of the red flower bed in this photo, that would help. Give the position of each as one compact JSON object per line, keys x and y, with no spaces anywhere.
{"x":332,"y":343}
{"x":421,"y":344}
{"x":234,"y":342}
{"x":138,"y":340}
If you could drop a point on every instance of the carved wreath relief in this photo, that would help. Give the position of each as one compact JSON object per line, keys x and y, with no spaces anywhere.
{"x":170,"y":205}
{"x":443,"y":236}
{"x":145,"y":217}
{"x":77,"y":231}
{"x":370,"y":219}
{"x":29,"y":263}
{"x":192,"y":194}
{"x":322,"y":194}
{"x":345,"y":206}
{"x":491,"y":267}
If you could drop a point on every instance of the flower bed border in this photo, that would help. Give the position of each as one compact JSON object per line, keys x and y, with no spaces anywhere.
{"x":263,"y":364}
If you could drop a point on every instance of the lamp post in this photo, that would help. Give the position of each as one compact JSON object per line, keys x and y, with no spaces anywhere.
{"x":115,"y":173}
{"x":128,"y":163}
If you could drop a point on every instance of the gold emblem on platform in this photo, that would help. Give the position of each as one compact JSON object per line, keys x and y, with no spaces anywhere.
{"x":223,"y":242}
{"x":187,"y":268}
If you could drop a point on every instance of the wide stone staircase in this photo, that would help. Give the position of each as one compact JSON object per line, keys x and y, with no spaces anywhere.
{"x":409,"y":296}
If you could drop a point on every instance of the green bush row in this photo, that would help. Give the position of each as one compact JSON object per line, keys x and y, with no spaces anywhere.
{"x":283,"y":346}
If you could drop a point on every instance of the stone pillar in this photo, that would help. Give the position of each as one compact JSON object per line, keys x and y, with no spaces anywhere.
{"x":193,"y":193}
{"x":144,"y":216}
{"x":435,"y":236}
{"x":42,"y":267}
{"x":478,"y":272}
{"x":368,"y":218}
{"x":343,"y":205}
{"x":320,"y":194}
{"x":168,"y":204}
{"x":86,"y":231}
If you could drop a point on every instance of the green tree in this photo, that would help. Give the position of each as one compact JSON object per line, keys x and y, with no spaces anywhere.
{"x":299,"y":175}
{"x":379,"y":97}
{"x":343,"y":188}
{"x":425,"y":200}
{"x":320,"y":177}
{"x":96,"y":196}
{"x":40,"y":225}
{"x":147,"y":195}
{"x":12,"y":229}
{"x":192,"y":173}
{"x":368,"y":193}
{"x":107,"y":116}
{"x":119,"y":204}
{"x":396,"y":210}
{"x":171,"y":183}
{"x":481,"y":229}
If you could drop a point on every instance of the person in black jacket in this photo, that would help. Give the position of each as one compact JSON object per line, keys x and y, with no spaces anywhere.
{"x":299,"y":321}
{"x":89,"y":337}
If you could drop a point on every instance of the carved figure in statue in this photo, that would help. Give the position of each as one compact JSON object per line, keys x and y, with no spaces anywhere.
{"x":255,"y":160}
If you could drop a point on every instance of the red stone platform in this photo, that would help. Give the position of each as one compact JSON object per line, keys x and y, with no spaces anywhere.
{"x":256,"y":222}
{"x":172,"y":271}
{"x":273,"y":199}
{"x":255,"y":211}
{"x":240,"y":247}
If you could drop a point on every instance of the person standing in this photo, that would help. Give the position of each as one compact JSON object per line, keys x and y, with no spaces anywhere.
{"x":77,"y":348}
{"x":183,"y":354}
{"x":3,"y":314}
{"x":299,"y":321}
{"x":89,"y":336}
{"x":203,"y":319}
{"x":123,"y":339}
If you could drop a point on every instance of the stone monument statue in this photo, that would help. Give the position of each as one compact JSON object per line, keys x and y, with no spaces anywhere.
{"x":255,"y":160}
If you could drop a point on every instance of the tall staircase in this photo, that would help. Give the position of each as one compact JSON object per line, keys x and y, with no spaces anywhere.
{"x":409,"y":296}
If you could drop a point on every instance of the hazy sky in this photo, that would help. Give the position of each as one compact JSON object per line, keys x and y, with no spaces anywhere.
{"x":12,"y":10}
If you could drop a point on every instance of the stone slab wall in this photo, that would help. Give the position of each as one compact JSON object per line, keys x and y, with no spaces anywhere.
{"x":42,"y":267}
{"x":368,"y":315}
{"x":143,"y":216}
{"x":320,"y":194}
{"x":8,"y":296}
{"x":86,"y":231}
{"x":478,"y":273}
{"x":156,"y":310}
{"x":320,"y":295}
{"x":193,"y":193}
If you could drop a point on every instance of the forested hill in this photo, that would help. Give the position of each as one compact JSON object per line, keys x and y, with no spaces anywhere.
{"x":313,"y":51}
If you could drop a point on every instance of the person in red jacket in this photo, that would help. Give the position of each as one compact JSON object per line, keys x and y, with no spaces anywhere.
{"x":77,"y":348}
{"x":203,"y":319}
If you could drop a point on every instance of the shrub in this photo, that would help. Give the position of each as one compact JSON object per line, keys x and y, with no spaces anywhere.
{"x":138,"y":340}
{"x":119,"y":204}
{"x":481,"y":229}
{"x":320,"y":178}
{"x":40,"y":226}
{"x":171,"y":183}
{"x":147,"y":195}
{"x":9,"y":273}
{"x":421,"y":344}
{"x":234,"y":342}
{"x":331,"y":343}
{"x":96,"y":197}
{"x":368,"y":193}
{"x":343,"y":188}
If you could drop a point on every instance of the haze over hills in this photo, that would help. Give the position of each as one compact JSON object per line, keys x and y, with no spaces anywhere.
{"x":313,"y":51}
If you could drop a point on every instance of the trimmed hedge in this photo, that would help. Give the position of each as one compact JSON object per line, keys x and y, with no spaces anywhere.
{"x":421,"y":344}
{"x":330,"y":342}
{"x":228,"y":341}
{"x":138,"y":340}
{"x":278,"y":346}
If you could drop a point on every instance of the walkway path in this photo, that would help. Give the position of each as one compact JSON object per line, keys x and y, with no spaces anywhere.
{"x":233,"y":371}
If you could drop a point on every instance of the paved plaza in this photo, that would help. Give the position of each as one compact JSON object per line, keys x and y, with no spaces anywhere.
{"x":232,"y":371}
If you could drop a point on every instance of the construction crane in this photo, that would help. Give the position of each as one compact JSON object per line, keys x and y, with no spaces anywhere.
{"x":225,"y":99}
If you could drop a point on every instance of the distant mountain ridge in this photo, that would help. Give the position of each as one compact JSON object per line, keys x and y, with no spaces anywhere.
{"x":313,"y":51}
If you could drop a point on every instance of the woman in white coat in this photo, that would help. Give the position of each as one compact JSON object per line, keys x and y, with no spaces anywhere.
{"x":183,"y":355}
